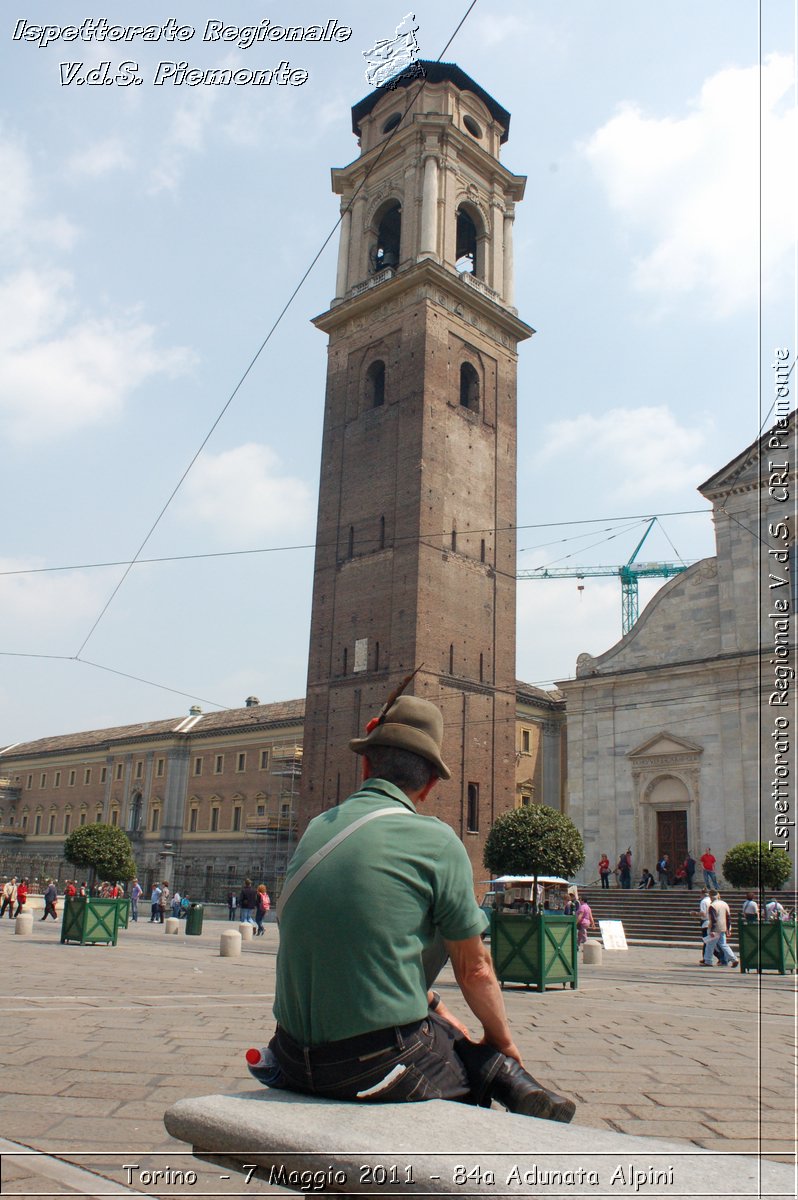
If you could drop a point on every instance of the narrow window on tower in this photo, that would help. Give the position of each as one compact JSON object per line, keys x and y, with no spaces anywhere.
{"x":481,"y":667}
{"x":467,"y":245}
{"x":345,"y":663}
{"x":385,"y":253}
{"x":454,"y":541}
{"x":350,"y":549}
{"x":375,"y":380}
{"x":482,"y":551}
{"x":472,"y":823}
{"x":376,"y":656}
{"x":382,"y":533}
{"x":451,"y":660}
{"x":469,"y":387}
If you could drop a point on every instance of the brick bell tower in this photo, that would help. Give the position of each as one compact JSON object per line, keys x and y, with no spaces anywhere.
{"x":415,"y":552}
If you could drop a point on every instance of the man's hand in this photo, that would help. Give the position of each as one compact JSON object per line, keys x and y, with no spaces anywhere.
{"x":474,"y":973}
{"x":445,"y":1015}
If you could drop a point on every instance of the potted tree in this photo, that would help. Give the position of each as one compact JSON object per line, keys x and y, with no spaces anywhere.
{"x":539,"y":948}
{"x":765,"y":945}
{"x":102,"y":850}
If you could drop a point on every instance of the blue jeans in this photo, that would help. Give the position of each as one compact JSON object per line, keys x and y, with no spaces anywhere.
{"x":427,"y":1060}
{"x":710,"y":879}
{"x":719,"y":940}
{"x":246,"y":917}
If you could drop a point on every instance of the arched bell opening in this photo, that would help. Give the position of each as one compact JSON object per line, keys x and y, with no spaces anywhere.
{"x":385,"y":251}
{"x":469,"y":244}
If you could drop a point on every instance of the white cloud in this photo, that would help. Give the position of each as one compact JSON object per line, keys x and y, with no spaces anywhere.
{"x":63,"y":367}
{"x":691,"y":183}
{"x":100,"y":159}
{"x":492,"y":29}
{"x":556,"y":622}
{"x":244,"y":493}
{"x":630,"y":453}
{"x":49,"y":602}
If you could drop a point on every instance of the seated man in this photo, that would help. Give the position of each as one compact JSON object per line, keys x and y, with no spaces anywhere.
{"x":646,"y":879}
{"x":358,"y":930}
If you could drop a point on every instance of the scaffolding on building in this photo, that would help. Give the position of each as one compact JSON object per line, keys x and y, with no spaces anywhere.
{"x":277,"y":824}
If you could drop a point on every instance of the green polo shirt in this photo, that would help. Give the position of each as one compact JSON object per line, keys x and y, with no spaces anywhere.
{"x":353,"y":933}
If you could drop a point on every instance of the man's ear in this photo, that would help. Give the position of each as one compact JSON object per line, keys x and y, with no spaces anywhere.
{"x":425,"y":791}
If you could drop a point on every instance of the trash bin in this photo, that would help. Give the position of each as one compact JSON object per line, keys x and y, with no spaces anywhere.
{"x":194,"y":919}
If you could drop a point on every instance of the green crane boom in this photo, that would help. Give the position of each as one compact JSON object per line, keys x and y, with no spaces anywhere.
{"x":628,"y":574}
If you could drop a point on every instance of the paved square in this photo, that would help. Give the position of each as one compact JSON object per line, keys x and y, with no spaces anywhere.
{"x":98,"y":1041}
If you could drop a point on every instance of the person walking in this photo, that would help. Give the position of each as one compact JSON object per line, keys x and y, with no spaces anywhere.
{"x":9,"y":897}
{"x":625,"y":868}
{"x":262,"y":907}
{"x":750,"y":909}
{"x":249,"y":901}
{"x":176,"y":899}
{"x":232,"y":905}
{"x":708,"y":861}
{"x":155,"y":904}
{"x":663,"y":870}
{"x":703,"y":914}
{"x":719,"y":926}
{"x":163,"y":902}
{"x":584,"y":921}
{"x":136,"y":892}
{"x":367,"y":917}
{"x":604,"y":870}
{"x":22,"y":895}
{"x":50,"y":897}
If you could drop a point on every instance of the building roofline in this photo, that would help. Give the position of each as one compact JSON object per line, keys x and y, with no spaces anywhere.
{"x":434,"y":72}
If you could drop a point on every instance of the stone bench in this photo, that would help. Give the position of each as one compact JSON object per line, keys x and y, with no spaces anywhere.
{"x":439,"y":1146}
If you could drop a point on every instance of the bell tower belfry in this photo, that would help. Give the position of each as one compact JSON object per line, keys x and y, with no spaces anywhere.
{"x":415,"y":551}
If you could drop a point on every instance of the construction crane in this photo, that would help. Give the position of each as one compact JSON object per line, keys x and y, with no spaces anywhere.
{"x":628,"y":574}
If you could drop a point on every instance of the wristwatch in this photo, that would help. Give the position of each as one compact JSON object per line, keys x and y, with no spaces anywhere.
{"x":435,"y":1001}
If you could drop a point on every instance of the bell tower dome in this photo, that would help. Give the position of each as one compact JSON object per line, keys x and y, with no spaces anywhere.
{"x":415,"y":549}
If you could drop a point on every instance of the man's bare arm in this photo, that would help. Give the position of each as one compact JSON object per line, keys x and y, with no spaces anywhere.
{"x":477,"y":980}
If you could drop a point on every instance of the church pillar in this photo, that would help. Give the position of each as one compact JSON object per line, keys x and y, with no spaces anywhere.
{"x":509,"y":279}
{"x":429,"y":208}
{"x":343,"y":253}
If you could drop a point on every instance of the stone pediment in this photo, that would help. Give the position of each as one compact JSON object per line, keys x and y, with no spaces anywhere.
{"x":745,"y":472}
{"x":666,"y":745}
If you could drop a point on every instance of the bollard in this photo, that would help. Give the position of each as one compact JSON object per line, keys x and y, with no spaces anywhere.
{"x":592,"y":952}
{"x":171,"y":925}
{"x":246,"y":930}
{"x":24,"y":923}
{"x":230,"y":944}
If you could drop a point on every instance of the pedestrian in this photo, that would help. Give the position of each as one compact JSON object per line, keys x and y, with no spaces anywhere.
{"x":249,"y":900}
{"x":365,"y":919}
{"x":719,"y":926}
{"x":232,"y":905}
{"x":176,"y":902}
{"x":163,"y":901}
{"x":70,"y":890}
{"x":50,"y":897}
{"x":9,"y":897}
{"x":625,"y":868}
{"x":703,"y":914}
{"x":22,"y":895}
{"x":136,"y":892}
{"x":689,"y":870}
{"x":185,"y":905}
{"x":663,"y":870}
{"x":750,"y":909}
{"x":604,"y":870}
{"x":708,"y":861}
{"x":262,"y":907}
{"x":584,"y":921}
{"x":155,"y":904}
{"x":774,"y":911}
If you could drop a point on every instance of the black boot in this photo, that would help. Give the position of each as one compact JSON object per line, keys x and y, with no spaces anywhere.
{"x":515,"y":1088}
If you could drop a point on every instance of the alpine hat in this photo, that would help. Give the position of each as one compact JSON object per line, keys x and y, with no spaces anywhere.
{"x":409,"y":724}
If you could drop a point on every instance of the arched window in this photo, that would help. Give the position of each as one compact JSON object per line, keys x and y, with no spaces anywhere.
{"x":134,"y":824}
{"x":375,"y":380}
{"x":389,"y":237}
{"x":469,"y":387}
{"x":467,"y":245}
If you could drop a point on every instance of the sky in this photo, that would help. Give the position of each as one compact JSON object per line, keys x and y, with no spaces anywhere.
{"x":151,"y":236}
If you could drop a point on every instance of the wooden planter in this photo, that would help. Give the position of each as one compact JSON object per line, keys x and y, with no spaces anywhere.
{"x":538,"y":950}
{"x":91,"y":920}
{"x":767,"y":946}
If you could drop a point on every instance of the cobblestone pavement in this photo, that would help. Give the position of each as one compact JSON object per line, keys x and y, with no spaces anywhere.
{"x":98,"y":1041}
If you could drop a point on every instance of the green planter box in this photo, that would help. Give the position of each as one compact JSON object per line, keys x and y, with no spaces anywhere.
{"x":124,"y":912}
{"x":91,"y":920}
{"x":767,"y":946}
{"x":538,"y":950}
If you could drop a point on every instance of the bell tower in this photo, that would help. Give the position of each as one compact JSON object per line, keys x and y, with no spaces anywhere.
{"x":415,"y":549}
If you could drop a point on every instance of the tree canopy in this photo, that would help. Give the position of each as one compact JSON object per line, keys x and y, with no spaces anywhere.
{"x":753,"y":865}
{"x":105,"y":849}
{"x":534,"y":840}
